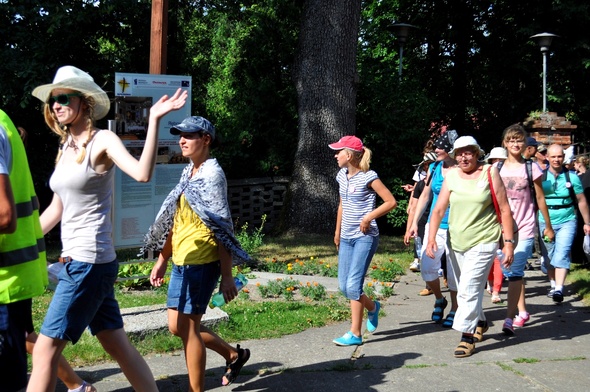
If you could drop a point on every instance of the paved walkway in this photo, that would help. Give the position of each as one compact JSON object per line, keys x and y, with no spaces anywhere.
{"x":407,"y":352}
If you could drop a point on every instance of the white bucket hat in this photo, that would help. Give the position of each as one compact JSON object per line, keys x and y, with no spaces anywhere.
{"x":497,"y":152}
{"x":466,"y":141}
{"x":75,"y":79}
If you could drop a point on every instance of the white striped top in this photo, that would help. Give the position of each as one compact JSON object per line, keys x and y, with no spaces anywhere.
{"x":357,"y":201}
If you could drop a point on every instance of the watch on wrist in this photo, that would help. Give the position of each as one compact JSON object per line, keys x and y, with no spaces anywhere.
{"x":511,"y":241}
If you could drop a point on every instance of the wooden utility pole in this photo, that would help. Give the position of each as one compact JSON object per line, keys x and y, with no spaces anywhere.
{"x":159,"y":36}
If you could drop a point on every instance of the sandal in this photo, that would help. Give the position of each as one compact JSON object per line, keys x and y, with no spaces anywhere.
{"x":439,"y":307}
{"x":464,"y":349}
{"x":496,"y":299}
{"x":448,"y":323}
{"x":482,"y":327}
{"x":232,"y":369}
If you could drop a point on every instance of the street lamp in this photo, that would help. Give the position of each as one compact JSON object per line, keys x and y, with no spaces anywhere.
{"x":544,"y":41}
{"x":401,"y":31}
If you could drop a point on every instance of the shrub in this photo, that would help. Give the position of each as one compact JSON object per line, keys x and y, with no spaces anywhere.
{"x":250,"y":241}
{"x":313,"y":291}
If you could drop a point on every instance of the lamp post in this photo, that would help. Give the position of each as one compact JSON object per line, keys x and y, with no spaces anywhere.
{"x":401,"y":31}
{"x":544,"y":41}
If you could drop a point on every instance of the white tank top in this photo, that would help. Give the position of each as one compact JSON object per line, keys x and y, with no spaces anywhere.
{"x":86,"y":230}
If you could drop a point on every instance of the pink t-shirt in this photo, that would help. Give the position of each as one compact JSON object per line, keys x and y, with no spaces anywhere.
{"x":519,"y":197}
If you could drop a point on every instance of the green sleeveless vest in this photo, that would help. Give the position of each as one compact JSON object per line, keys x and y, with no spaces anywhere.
{"x":23,"y":265}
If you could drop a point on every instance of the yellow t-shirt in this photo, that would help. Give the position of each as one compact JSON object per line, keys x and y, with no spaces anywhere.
{"x":192,"y":241}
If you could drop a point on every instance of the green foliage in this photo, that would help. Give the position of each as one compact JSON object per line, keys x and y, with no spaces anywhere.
{"x":369,"y":291}
{"x":386,"y":272}
{"x":279,"y":288}
{"x":313,"y":291}
{"x":135,"y":275}
{"x":398,"y":217}
{"x":251,"y":240}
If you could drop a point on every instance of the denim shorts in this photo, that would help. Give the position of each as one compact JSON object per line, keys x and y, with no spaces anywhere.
{"x":354,"y":258}
{"x":521,"y":255}
{"x":556,"y":254}
{"x":14,"y":320}
{"x":191,"y":287}
{"x":84,"y":297}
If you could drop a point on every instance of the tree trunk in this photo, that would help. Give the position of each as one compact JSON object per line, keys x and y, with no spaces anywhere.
{"x":325,"y":78}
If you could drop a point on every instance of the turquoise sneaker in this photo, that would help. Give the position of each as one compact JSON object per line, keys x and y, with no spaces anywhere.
{"x":373,"y":318}
{"x":348,"y":339}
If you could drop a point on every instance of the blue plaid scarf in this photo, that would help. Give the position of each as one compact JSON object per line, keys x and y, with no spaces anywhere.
{"x":206,"y":193}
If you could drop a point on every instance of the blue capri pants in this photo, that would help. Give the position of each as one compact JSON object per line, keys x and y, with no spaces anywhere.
{"x":354,"y":258}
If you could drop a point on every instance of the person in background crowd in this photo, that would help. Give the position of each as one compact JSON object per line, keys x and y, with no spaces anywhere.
{"x":431,"y":265}
{"x":196,"y":228}
{"x":563,"y":191}
{"x":580,"y":165}
{"x":475,"y":231}
{"x":23,"y":273}
{"x":523,"y":183}
{"x":530,"y":150}
{"x":357,"y":234}
{"x":540,"y":157}
{"x":428,"y":158}
{"x":495,"y":277}
{"x":82,"y":183}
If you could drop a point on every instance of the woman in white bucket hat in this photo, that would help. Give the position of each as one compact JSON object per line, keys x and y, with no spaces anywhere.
{"x":474,"y":231}
{"x":83,"y":184}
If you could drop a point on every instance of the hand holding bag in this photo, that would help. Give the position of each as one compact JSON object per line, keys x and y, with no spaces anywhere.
{"x":499,"y":214}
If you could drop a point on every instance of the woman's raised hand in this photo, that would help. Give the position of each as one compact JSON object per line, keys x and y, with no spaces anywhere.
{"x":165,"y":105}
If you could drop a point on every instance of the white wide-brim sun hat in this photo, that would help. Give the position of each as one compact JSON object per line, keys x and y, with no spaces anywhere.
{"x":497,"y":152}
{"x":466,"y":141}
{"x":72,"y":78}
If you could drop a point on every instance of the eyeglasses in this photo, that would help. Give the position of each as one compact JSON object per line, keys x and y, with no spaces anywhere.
{"x":62,"y":99}
{"x":514,"y":141}
{"x":466,"y":154}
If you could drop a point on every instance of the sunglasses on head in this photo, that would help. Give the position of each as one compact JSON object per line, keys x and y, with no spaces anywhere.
{"x":62,"y":99}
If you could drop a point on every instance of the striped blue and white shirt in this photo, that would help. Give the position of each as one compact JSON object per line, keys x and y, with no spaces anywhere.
{"x":357,"y":201}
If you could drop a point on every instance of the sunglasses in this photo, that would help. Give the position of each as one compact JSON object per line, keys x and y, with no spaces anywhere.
{"x":62,"y":99}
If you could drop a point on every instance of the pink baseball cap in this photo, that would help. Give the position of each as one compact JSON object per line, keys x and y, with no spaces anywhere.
{"x":351,"y":142}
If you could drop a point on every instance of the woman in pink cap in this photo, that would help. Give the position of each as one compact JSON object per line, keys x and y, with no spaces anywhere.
{"x":357,"y":235}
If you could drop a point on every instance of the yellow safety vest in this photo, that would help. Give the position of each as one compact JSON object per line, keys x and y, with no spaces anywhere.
{"x":23,"y":262}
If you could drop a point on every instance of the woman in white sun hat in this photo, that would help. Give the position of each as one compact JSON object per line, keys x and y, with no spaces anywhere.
{"x":83,"y":185}
{"x":475,"y":231}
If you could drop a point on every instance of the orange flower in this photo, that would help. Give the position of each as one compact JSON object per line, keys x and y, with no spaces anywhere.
{"x":245,"y":290}
{"x":257,"y":284}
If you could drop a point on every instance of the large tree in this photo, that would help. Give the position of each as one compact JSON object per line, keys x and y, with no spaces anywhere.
{"x":326,"y":82}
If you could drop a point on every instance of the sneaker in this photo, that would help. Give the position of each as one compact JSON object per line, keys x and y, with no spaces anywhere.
{"x":550,"y":293}
{"x":373,"y":318}
{"x":507,"y":327}
{"x":415,"y":266}
{"x":557,"y":296}
{"x":348,"y":339}
{"x":519,"y":321}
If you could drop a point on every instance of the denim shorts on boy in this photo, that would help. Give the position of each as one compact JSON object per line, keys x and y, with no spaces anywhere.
{"x":13,"y":353}
{"x":556,"y":254}
{"x":521,"y":255}
{"x":83,"y":297}
{"x":354,"y":258}
{"x":191,"y":287}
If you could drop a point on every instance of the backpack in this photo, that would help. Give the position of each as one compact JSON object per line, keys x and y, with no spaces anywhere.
{"x":567,"y":180}
{"x":529,"y":173}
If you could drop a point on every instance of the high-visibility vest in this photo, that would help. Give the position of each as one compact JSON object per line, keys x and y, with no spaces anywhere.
{"x":23,"y":262}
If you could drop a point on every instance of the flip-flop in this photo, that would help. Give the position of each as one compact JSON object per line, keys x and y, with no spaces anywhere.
{"x":232,"y":370}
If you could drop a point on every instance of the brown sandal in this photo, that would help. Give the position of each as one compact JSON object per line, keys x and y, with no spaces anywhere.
{"x":464,"y":349}
{"x":479,"y":331}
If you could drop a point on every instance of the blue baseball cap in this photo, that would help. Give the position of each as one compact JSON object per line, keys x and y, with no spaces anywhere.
{"x":194,"y":124}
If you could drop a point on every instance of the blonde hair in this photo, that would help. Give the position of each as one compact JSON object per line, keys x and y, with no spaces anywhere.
{"x":361,"y":158}
{"x":64,"y":130}
{"x":582,"y":160}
